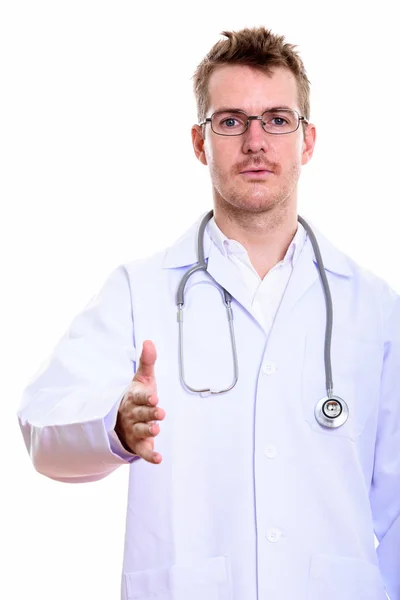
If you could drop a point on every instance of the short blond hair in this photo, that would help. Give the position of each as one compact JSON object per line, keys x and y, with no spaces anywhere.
{"x":256,"y":47}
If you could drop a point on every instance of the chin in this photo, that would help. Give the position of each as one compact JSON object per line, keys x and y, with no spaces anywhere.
{"x":256,"y":205}
{"x":255,"y":198}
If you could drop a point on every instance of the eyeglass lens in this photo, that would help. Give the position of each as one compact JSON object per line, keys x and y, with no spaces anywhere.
{"x":235,"y":123}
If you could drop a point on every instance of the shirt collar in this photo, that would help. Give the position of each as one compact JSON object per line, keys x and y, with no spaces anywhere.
{"x":229,"y":246}
{"x":183,"y":252}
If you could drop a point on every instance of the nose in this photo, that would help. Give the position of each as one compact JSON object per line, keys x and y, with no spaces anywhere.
{"x":255,"y":139}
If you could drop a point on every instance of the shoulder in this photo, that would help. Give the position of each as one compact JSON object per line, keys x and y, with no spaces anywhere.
{"x":368,"y":289}
{"x":375,"y":289}
{"x":145,"y":266}
{"x":341,"y":263}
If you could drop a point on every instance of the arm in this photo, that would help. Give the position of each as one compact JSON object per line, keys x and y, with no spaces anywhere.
{"x":385,"y":488}
{"x":69,"y":409}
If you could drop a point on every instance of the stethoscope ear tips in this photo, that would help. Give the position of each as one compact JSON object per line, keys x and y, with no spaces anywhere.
{"x":331,"y":412}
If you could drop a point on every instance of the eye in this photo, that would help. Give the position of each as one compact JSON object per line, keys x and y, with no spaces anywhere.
{"x":281,"y":119}
{"x":278,"y":121}
{"x":230,"y":122}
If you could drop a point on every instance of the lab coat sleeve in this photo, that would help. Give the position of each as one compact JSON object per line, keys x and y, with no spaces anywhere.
{"x":69,"y":409}
{"x":385,"y":486}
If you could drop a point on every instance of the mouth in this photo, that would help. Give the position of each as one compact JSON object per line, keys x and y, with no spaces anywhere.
{"x":256,"y":173}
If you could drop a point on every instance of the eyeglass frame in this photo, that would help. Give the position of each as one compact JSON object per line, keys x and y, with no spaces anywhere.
{"x":255,"y":118}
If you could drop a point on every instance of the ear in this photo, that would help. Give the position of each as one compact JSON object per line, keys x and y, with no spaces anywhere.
{"x":198,"y":143}
{"x":308,"y":143}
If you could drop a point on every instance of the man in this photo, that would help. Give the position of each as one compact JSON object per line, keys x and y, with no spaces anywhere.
{"x":274,"y":487}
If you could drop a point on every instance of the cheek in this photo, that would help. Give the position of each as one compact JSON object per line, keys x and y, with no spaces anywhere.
{"x":290,"y":155}
{"x":208,"y":150}
{"x":220,"y":156}
{"x":290,"y":146}
{"x":208,"y":153}
{"x":299,"y":147}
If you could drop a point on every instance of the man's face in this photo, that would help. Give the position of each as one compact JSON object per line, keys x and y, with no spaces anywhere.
{"x":231,"y":158}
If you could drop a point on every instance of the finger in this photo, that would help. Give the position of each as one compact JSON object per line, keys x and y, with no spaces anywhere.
{"x":145,"y":450}
{"x":143,"y":414}
{"x":145,"y":430}
{"x":145,"y":370}
{"x":140,"y":395}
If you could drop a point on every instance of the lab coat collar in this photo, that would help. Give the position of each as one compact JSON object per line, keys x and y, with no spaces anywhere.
{"x":183,"y":252}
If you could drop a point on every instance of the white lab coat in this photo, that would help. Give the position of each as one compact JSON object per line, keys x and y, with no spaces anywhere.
{"x":254,"y":499}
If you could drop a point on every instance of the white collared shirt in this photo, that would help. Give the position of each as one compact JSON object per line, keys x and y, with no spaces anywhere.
{"x":266,"y":293}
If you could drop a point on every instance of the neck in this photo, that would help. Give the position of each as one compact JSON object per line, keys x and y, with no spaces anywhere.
{"x":265,"y":235}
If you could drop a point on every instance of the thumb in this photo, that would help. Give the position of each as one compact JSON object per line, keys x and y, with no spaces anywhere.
{"x":147,"y":359}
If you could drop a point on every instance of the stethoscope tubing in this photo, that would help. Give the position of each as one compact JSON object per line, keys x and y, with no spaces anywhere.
{"x":330,"y":411}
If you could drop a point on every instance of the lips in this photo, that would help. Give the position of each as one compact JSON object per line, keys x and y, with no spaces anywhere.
{"x":256,"y":173}
{"x":255,"y":169}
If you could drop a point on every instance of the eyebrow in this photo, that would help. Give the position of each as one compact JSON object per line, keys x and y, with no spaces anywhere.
{"x":229,"y":108}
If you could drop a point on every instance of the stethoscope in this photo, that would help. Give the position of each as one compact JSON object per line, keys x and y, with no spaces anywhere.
{"x":331,"y":411}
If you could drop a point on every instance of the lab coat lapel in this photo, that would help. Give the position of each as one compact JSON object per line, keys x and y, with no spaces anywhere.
{"x":303,"y":276}
{"x":225,"y":274}
{"x":184,"y":254}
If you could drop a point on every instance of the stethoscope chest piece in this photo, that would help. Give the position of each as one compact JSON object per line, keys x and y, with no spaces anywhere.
{"x":331,"y":411}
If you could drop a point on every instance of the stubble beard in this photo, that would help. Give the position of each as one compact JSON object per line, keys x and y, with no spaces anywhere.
{"x":257,"y":197}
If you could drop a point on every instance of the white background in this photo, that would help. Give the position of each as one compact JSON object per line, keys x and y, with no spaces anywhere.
{"x":92,"y":177}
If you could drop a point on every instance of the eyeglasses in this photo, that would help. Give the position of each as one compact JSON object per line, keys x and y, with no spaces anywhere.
{"x":236,"y":122}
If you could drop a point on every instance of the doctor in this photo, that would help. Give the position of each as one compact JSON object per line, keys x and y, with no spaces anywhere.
{"x":258,"y":407}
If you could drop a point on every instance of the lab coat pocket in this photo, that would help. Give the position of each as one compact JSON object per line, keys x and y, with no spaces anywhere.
{"x":207,"y":578}
{"x":356,"y":374}
{"x":338,"y":578}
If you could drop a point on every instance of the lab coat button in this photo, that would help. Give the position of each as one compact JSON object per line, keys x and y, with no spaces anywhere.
{"x":270,"y":451}
{"x":274,"y":535}
{"x":269,"y":368}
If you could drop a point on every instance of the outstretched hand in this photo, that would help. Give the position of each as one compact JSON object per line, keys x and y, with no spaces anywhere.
{"x":138,"y":412}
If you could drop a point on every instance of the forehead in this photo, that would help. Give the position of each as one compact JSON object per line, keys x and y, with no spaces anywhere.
{"x":252,"y":90}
